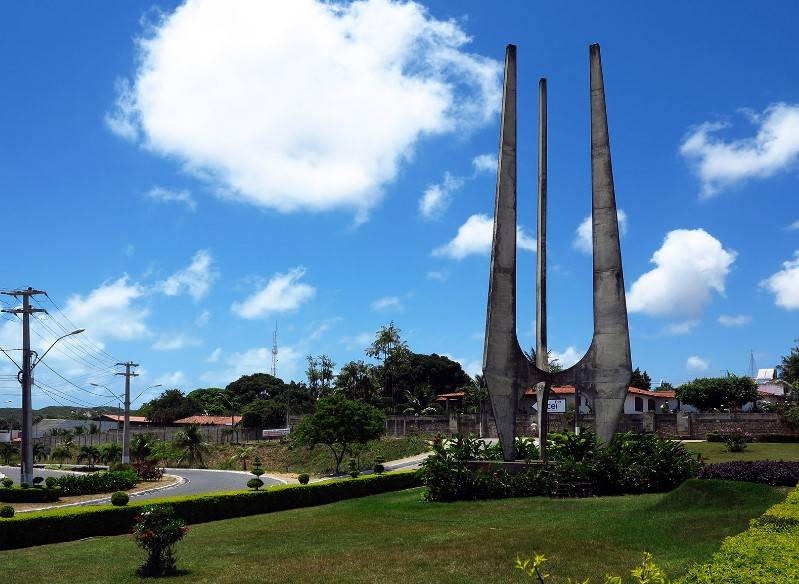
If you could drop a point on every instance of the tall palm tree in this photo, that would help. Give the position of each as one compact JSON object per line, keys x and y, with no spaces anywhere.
{"x":61,"y":453}
{"x":190,"y":441}
{"x":141,"y":446}
{"x":244,"y":453}
{"x":110,"y":453}
{"x":90,"y":453}
{"x":40,"y":451}
{"x":7,"y":452}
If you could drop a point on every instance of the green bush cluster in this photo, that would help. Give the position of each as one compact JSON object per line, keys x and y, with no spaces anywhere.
{"x":59,"y":525}
{"x":97,"y":482}
{"x":766,"y":553}
{"x":120,"y":499}
{"x":6,"y":511}
{"x":29,"y":495}
{"x":631,"y":463}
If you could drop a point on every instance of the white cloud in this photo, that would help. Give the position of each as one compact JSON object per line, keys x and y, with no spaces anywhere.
{"x":258,"y":360}
{"x":203,"y":318}
{"x":174,"y":379}
{"x":566,"y":358}
{"x":305,"y":104}
{"x":734,"y":320}
{"x":196,"y":279}
{"x":359,"y":341}
{"x":437,"y":275}
{"x":215,"y":355}
{"x":785,"y":284}
{"x":387,"y":303}
{"x":694,"y":363}
{"x":111,"y":311}
{"x":484,"y":163}
{"x":584,"y":240}
{"x":282,"y":293}
{"x":681,"y":328}
{"x":474,"y":237}
{"x":320,"y":329}
{"x":173,"y":342}
{"x":690,"y":265}
{"x":793,"y":226}
{"x":163,"y":195}
{"x":773,"y":148}
{"x":472,"y":367}
{"x":438,"y":197}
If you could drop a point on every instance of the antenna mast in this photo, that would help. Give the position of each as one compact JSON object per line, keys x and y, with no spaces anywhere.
{"x":274,"y":352}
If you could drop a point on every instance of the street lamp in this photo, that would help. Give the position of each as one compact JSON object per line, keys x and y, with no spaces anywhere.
{"x":38,"y":359}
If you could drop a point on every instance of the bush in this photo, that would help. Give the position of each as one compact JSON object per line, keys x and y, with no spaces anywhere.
{"x":303,"y":479}
{"x":148,"y":470}
{"x":50,"y":482}
{"x":736,"y":439}
{"x":769,"y":472}
{"x":39,"y":528}
{"x":120,"y":499}
{"x":20,"y":495}
{"x":352,"y":468}
{"x":714,"y":436}
{"x":98,"y":482}
{"x":255,"y":484}
{"x":379,"y":467}
{"x":6,"y":511}
{"x":157,"y":530}
{"x":783,"y":438}
{"x":121,"y":467}
{"x":37,"y":481}
{"x":7,"y":483}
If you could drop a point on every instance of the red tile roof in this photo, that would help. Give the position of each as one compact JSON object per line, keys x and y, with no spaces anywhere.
{"x":121,"y":418}
{"x":209,"y":420}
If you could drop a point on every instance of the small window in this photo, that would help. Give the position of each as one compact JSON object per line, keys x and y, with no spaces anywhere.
{"x":651,"y":404}
{"x":639,"y":404}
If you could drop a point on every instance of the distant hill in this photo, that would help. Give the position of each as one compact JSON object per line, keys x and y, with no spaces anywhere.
{"x":61,"y":412}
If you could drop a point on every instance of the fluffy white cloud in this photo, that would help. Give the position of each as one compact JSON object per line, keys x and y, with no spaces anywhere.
{"x":174,"y":379}
{"x":215,"y":355}
{"x":566,"y":358}
{"x":690,"y":265}
{"x":694,"y":363}
{"x":196,"y":279}
{"x":258,"y":360}
{"x":282,"y":293}
{"x":437,"y":275}
{"x":681,"y":328}
{"x":785,"y":284}
{"x":173,"y":342}
{"x":163,"y":195}
{"x":485,"y":163}
{"x":112,"y":310}
{"x":584,"y":240}
{"x":794,"y":226}
{"x":438,"y":197}
{"x":734,"y":320}
{"x":303,"y":104}
{"x":387,"y":303}
{"x":721,"y":164}
{"x":203,"y":318}
{"x":474,"y":237}
{"x":359,"y":341}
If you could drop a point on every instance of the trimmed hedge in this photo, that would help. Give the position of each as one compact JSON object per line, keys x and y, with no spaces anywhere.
{"x":29,"y":495}
{"x":29,"y":529}
{"x":766,"y":553}
{"x":97,"y":482}
{"x":769,"y":472}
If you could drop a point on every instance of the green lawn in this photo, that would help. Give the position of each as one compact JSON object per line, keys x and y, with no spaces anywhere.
{"x":717,"y":452}
{"x":397,"y":537}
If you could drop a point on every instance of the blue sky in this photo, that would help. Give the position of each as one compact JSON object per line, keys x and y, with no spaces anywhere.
{"x":181,"y":177}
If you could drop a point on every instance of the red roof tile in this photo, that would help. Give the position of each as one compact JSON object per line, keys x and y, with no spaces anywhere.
{"x":209,"y":420}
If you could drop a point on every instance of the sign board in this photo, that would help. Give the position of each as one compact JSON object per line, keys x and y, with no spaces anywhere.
{"x":556,"y":406}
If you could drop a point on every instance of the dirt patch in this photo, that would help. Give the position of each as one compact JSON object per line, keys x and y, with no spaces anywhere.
{"x":165,"y":481}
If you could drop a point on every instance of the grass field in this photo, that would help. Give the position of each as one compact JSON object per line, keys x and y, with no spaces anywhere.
{"x":397,"y":537}
{"x":717,"y":452}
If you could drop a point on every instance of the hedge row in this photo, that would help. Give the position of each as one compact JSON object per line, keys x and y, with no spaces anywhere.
{"x":29,"y":495}
{"x":715,"y":436}
{"x":29,"y":529}
{"x":770,"y":472}
{"x":96,"y":482}
{"x":766,"y":553}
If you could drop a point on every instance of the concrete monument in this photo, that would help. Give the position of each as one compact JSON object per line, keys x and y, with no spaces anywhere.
{"x":604,"y":372}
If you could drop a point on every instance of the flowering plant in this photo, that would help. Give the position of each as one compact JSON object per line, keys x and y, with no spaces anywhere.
{"x":736,"y":439}
{"x":156,"y":531}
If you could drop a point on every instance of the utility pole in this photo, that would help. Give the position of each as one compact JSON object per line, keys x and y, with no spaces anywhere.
{"x":26,"y":380}
{"x":126,"y":427}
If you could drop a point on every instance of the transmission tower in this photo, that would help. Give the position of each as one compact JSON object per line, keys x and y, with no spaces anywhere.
{"x":274,"y":352}
{"x":752,"y":365}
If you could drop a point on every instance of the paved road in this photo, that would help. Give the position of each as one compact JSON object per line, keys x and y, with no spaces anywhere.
{"x":195,"y":482}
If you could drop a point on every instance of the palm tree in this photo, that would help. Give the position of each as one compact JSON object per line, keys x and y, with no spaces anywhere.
{"x":244,"y":453}
{"x":7,"y":452}
{"x":190,"y":441}
{"x":62,"y":452}
{"x":110,"y":453}
{"x":40,"y":451}
{"x":141,"y":446}
{"x":94,"y":430}
{"x":90,"y":453}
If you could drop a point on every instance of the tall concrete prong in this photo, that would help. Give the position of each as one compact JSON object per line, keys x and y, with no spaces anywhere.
{"x":541,"y":351}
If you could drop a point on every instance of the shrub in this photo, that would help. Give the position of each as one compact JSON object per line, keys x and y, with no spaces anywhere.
{"x":50,"y":482}
{"x":352,"y":468}
{"x":714,"y":436}
{"x":255,"y":484}
{"x":147,"y":470}
{"x":736,"y":439}
{"x":24,"y":486}
{"x":98,"y":482}
{"x":121,"y":467}
{"x":20,"y":495}
{"x":37,"y":481}
{"x":39,"y":528}
{"x":303,"y":479}
{"x":379,"y":467}
{"x":156,"y":531}
{"x":770,"y":472}
{"x":568,"y":446}
{"x":646,"y":573}
{"x":6,"y":511}
{"x":7,"y":483}
{"x":120,"y":499}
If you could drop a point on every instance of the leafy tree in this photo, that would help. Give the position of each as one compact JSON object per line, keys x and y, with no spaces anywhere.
{"x":420,"y":400}
{"x":387,"y":342}
{"x":709,"y":393}
{"x":141,"y":446}
{"x":62,"y":452}
{"x":258,"y":385}
{"x":356,"y":381}
{"x":210,"y":400}
{"x":788,"y":370}
{"x":171,"y":405}
{"x":7,"y":452}
{"x":194,"y":449}
{"x":110,"y":452}
{"x":90,"y":453}
{"x":263,"y":413}
{"x":440,"y":373}
{"x":340,"y":423}
{"x":244,"y":453}
{"x":552,"y":362}
{"x":640,"y":380}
